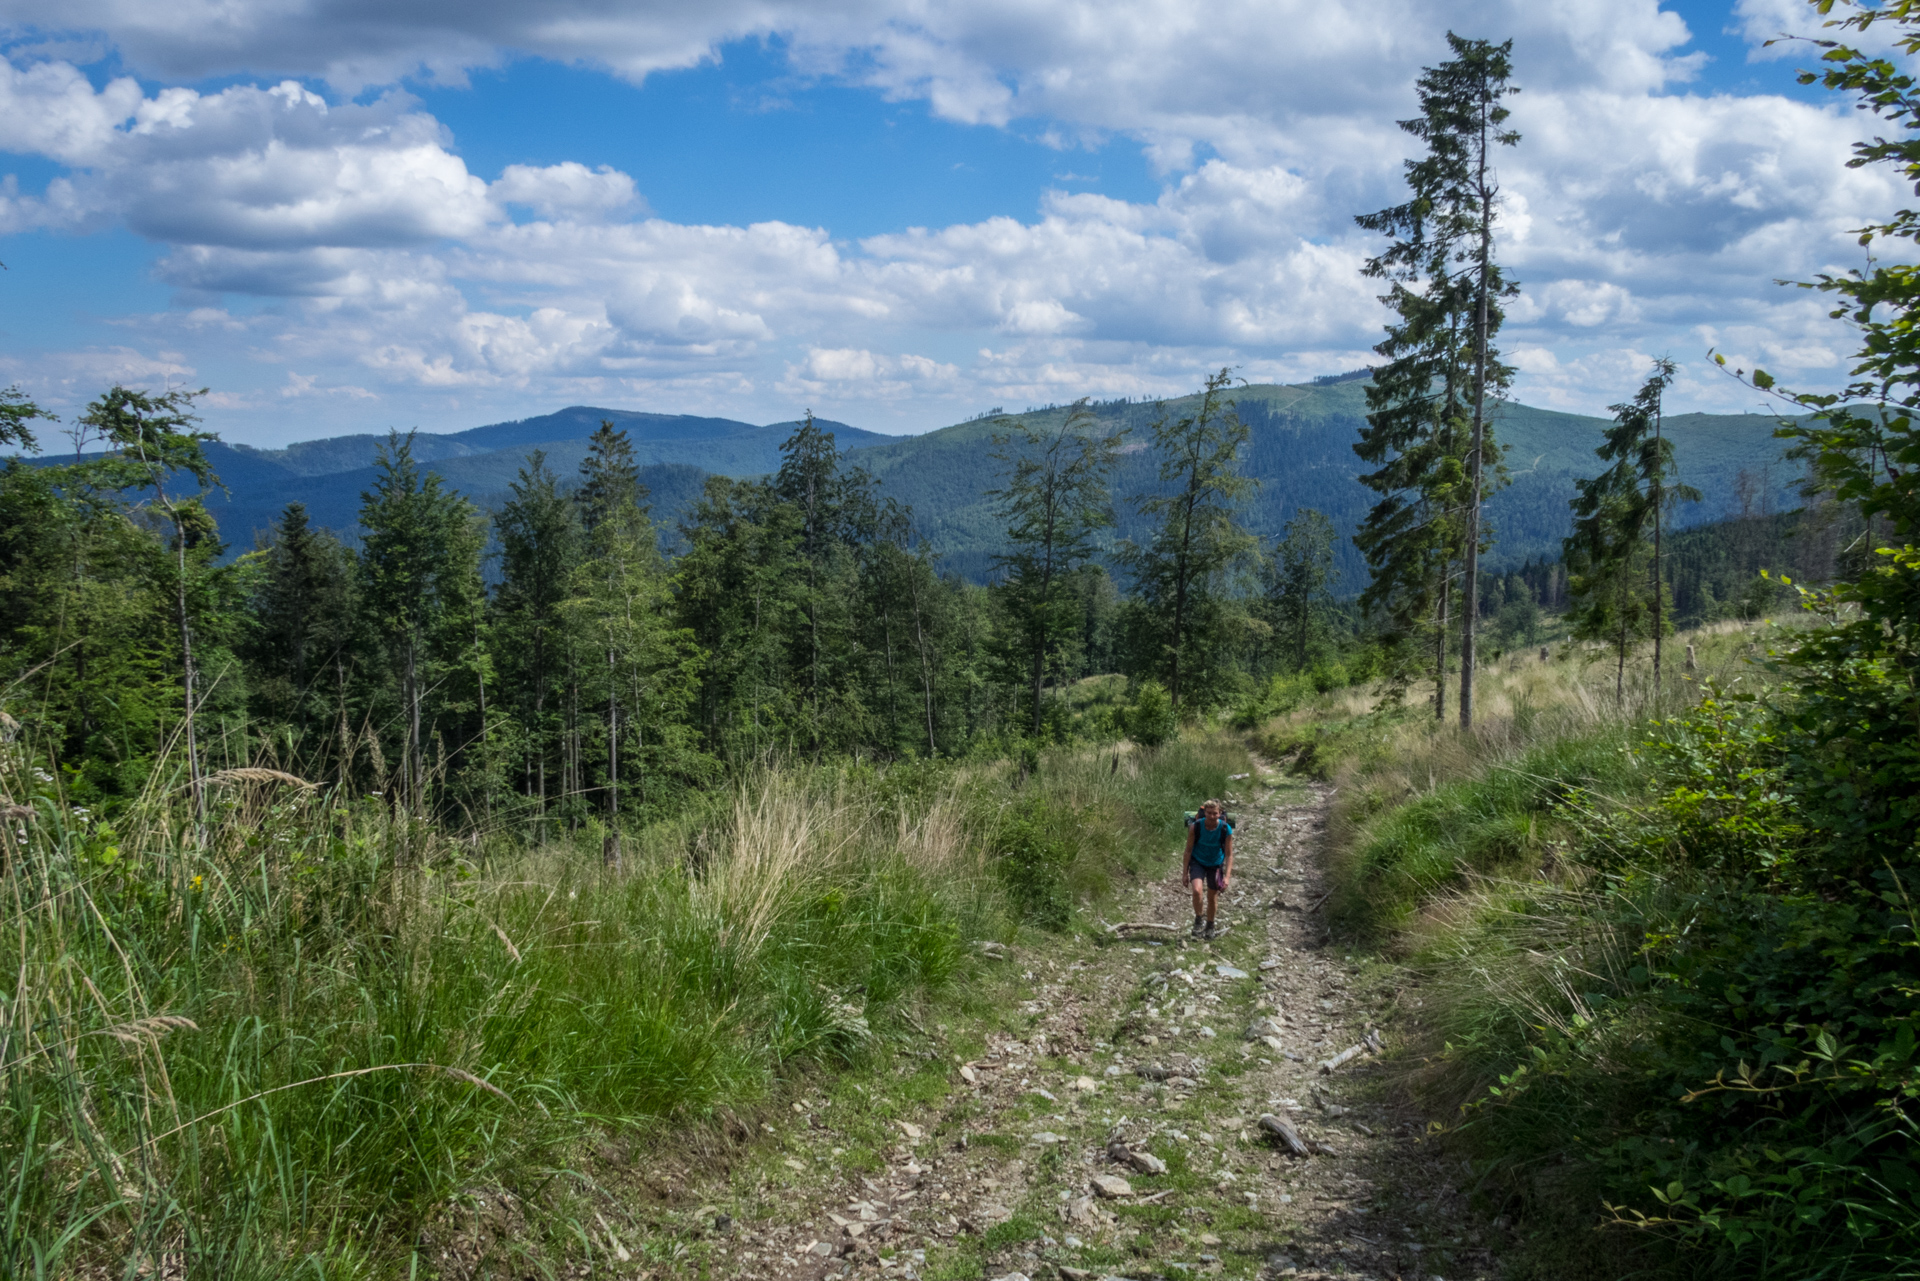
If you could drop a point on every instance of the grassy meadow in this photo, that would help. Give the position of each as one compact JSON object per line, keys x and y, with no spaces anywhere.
{"x":288,"y":1042}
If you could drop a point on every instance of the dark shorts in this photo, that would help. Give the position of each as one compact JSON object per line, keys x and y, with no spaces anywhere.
{"x":1215,"y":877}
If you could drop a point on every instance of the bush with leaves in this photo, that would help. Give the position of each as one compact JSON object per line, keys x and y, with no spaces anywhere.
{"x":1151,"y":720}
{"x":1035,"y":848}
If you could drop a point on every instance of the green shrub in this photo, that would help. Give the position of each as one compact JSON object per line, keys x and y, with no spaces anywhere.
{"x":1720,"y":1036}
{"x":1032,"y":852}
{"x":1150,"y":721}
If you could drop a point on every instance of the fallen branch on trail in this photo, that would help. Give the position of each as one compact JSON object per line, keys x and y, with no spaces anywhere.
{"x":1283,"y":1130}
{"x":1341,"y":1059}
{"x":1144,"y":925}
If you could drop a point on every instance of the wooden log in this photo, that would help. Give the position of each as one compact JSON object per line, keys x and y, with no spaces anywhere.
{"x":1341,"y":1059}
{"x":1283,"y":1130}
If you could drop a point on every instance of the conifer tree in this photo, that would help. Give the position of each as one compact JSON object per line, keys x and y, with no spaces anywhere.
{"x":1428,"y":431}
{"x":1055,"y":500}
{"x":1299,"y":575}
{"x":834,"y":514}
{"x":609,"y":478}
{"x":540,"y":547}
{"x":420,"y":584}
{"x":303,"y":648}
{"x":1609,"y":552}
{"x":742,"y":592}
{"x":1197,"y":537}
{"x":647,"y":674}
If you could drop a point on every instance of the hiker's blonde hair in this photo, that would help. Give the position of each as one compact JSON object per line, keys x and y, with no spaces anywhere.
{"x":1211,"y":804}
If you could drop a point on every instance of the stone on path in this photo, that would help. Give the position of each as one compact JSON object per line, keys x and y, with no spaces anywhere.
{"x":1110,"y":1186}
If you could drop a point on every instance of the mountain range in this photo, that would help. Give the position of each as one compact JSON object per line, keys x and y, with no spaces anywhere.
{"x":1300,"y":452}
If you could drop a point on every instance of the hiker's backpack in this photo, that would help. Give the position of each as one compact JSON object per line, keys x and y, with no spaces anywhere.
{"x":1193,"y":816}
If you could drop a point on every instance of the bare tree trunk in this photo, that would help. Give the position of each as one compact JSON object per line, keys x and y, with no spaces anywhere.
{"x":1620,"y":671}
{"x":610,"y":852}
{"x":1658,"y":586}
{"x":1440,"y":647}
{"x":539,"y":732}
{"x":1470,"y":605}
{"x":926,"y":669}
{"x":187,"y":673}
{"x":413,"y":770}
{"x":346,"y":735}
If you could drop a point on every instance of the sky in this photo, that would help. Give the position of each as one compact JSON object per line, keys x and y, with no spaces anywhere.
{"x":349,"y":215}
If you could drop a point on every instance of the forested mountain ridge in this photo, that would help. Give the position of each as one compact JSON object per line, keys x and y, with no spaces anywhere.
{"x":1301,"y":451}
{"x":676,"y":453}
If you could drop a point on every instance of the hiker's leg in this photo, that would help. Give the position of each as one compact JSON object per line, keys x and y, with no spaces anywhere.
{"x":1213,"y":901}
{"x":1198,"y":884}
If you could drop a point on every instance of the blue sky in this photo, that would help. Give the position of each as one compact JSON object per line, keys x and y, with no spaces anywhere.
{"x":897,"y":215}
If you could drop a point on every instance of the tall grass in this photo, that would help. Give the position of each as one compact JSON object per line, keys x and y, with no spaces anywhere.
{"x":283,"y":1044}
{"x":1541,"y":1026}
{"x":1424,"y":809}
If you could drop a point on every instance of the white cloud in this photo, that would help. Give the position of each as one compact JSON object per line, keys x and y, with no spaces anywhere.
{"x":568,"y":190}
{"x":1639,"y":219}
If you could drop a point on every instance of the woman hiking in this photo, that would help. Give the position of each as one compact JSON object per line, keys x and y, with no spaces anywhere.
{"x":1209,"y":863}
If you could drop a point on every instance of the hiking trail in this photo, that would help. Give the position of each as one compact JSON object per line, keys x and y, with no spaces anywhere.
{"x":1119,"y":1134}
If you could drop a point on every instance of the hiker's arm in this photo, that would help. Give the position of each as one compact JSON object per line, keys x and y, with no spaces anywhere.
{"x":1187,"y":852}
{"x":1226,"y":873}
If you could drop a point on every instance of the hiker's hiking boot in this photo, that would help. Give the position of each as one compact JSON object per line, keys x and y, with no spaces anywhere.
{"x":1199,"y":924}
{"x":1209,"y":933}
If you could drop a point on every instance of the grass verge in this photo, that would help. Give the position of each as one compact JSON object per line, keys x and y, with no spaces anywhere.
{"x":310,"y":1036}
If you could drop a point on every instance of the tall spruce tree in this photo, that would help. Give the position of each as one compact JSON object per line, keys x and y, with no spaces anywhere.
{"x":1618,"y":517}
{"x":835,"y":514}
{"x":1299,"y":576}
{"x":743,"y":590}
{"x":540,"y":547}
{"x":609,"y":478}
{"x":420,"y":585}
{"x":1197,"y":535}
{"x":646,"y":673}
{"x":1055,"y":501}
{"x":303,"y":649}
{"x":1430,"y":404}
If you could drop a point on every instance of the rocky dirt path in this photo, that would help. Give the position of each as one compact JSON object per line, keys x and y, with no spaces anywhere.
{"x":1148,"y":1106}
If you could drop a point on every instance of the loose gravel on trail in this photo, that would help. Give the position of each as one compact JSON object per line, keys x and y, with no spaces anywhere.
{"x":1161,"y":1107}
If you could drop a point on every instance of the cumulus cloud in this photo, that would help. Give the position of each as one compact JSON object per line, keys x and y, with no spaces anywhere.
{"x":568,"y":190}
{"x":1638,"y":215}
{"x":831,"y":374}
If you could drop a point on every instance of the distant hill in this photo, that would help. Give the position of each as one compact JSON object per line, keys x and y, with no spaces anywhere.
{"x":677,"y":453}
{"x":1301,"y":451}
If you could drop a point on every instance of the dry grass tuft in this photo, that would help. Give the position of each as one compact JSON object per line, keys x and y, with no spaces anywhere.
{"x":150,"y":1029}
{"x":256,"y":774}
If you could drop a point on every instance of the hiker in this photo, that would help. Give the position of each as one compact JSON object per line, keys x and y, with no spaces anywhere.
{"x":1209,"y":862}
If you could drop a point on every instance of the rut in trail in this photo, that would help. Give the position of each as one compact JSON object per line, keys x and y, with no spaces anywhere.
{"x":1114,"y":1128}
